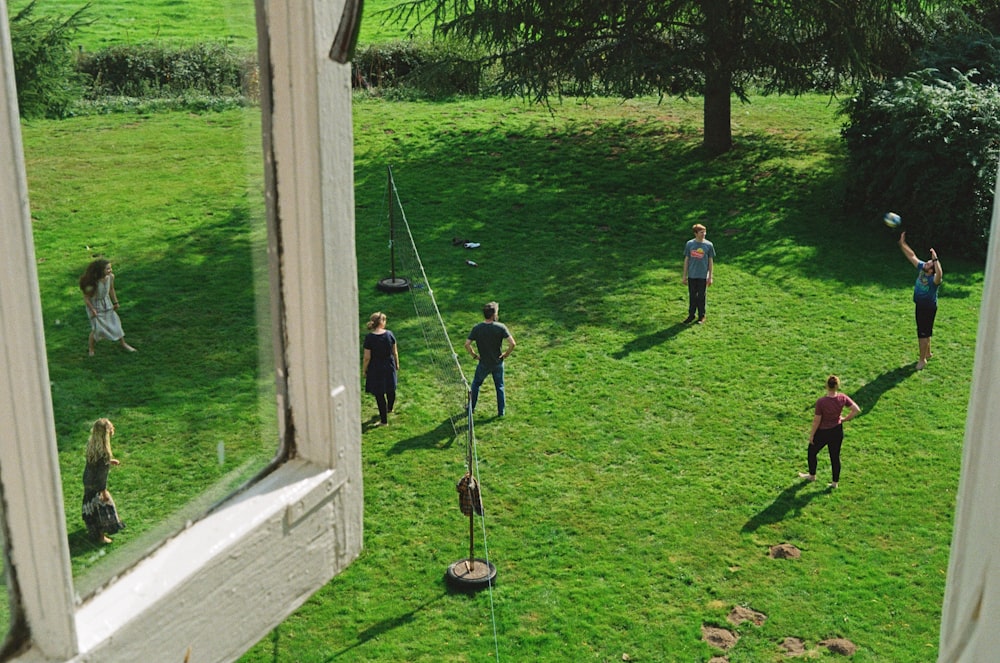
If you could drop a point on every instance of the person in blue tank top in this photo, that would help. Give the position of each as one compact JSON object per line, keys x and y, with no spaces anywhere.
{"x":925,"y":296}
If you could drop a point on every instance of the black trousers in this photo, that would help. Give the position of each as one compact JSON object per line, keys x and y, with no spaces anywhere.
{"x":832,"y":439}
{"x":696,"y":296}
{"x":385,"y":403}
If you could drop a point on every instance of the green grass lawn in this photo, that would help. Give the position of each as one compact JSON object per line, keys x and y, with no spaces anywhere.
{"x":644,"y":467}
{"x":169,"y":199}
{"x":114,"y":22}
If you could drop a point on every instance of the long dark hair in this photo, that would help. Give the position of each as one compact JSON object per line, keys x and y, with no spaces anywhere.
{"x":93,"y":274}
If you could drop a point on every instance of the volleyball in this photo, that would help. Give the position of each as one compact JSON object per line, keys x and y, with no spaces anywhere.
{"x":892,"y":219}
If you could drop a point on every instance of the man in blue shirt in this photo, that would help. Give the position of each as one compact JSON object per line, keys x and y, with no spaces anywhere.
{"x":489,"y":336}
{"x":925,"y":292}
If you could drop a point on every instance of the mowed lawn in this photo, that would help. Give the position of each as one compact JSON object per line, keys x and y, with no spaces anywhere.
{"x":645,"y":468}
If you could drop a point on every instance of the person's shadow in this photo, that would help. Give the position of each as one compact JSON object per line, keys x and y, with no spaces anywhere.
{"x":440,"y":437}
{"x":869,"y":395}
{"x":643,"y":343}
{"x":788,"y":502}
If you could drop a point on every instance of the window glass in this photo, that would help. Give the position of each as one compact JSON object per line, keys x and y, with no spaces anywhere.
{"x":167,"y":188}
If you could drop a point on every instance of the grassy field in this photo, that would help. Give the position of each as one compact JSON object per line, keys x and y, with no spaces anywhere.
{"x":169,"y":200}
{"x":644,"y":467}
{"x":113,"y":22}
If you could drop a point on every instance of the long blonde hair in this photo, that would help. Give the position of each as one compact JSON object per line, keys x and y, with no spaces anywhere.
{"x":99,"y":444}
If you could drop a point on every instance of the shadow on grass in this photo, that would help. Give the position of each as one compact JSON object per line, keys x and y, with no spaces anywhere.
{"x":443,"y":436}
{"x":643,"y":343}
{"x":869,"y":395}
{"x":788,"y":503}
{"x":372,"y":632}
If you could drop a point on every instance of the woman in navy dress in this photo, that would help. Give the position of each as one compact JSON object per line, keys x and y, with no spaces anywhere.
{"x":381,"y":365}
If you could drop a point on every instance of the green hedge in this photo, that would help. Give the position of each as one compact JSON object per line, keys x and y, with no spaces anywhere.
{"x":155,"y":70}
{"x":436,"y":70}
{"x":927,"y":147}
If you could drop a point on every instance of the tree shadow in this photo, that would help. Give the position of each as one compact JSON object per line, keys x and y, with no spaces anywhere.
{"x":869,"y":395}
{"x":442,"y":436}
{"x":787,"y":503}
{"x":643,"y":343}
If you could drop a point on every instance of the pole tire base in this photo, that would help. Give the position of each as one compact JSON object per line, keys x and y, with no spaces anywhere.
{"x":461,"y":577}
{"x":390,"y":284}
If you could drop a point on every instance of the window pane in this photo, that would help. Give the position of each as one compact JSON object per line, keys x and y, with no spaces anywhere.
{"x":168,"y":189}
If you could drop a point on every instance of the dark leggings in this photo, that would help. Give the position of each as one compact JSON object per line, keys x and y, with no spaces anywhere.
{"x":385,"y":403}
{"x":832,"y":439}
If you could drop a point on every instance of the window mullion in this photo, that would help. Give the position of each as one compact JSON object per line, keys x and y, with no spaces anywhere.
{"x":29,"y":461}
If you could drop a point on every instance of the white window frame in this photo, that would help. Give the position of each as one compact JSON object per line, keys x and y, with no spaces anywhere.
{"x":219,"y":586}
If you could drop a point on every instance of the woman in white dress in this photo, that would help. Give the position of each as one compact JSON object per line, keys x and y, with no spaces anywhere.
{"x":98,"y":287}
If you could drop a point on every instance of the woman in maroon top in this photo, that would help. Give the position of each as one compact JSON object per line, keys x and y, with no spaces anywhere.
{"x":828,"y":428}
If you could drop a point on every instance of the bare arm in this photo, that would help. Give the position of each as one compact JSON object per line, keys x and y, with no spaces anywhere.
{"x":684,"y":273}
{"x":90,"y":305}
{"x":510,"y":347}
{"x":907,"y":251}
{"x":468,"y":348}
{"x":395,"y":354}
{"x":111,"y":291}
{"x":367,"y":360}
{"x":938,"y":271}
{"x":815,"y":427}
{"x":711,"y":268}
{"x":855,"y":411}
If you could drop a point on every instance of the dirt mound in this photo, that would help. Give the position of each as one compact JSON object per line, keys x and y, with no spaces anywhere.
{"x":718,"y":637}
{"x":785,"y":551}
{"x":739,"y":614}
{"x":840,"y":646}
{"x":793,"y":647}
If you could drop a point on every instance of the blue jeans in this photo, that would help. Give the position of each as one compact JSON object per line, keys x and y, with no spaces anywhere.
{"x":480,"y":377}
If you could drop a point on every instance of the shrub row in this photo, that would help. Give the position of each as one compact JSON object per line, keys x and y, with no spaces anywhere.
{"x":428,"y":69}
{"x":154,"y":70}
{"x":415,"y":69}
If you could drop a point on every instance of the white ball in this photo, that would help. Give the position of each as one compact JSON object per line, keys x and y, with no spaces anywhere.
{"x":892,"y":219}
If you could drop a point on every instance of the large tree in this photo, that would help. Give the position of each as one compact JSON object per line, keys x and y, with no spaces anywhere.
{"x":709,"y":48}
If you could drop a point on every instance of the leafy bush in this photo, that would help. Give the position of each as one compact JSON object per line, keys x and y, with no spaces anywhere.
{"x":436,"y":70}
{"x":959,"y":40}
{"x":155,"y":70}
{"x":47,"y":83}
{"x":926,"y":147}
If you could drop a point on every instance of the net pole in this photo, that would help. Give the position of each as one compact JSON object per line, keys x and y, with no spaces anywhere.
{"x":392,"y":225}
{"x":470,"y":469}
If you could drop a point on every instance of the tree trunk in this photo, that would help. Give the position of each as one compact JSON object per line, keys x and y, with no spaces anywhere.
{"x":723,"y":32}
{"x":717,"y":113}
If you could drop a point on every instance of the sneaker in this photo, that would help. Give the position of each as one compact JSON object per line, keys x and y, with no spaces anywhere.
{"x":701,"y":320}
{"x":688,"y":320}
